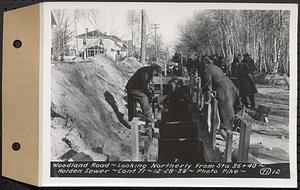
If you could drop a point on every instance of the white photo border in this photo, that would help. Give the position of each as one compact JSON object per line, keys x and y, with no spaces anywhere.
{"x":45,"y":103}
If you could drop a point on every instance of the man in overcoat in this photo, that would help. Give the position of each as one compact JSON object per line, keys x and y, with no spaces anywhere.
{"x":226,"y":93}
{"x":233,"y":69}
{"x":190,"y":65}
{"x":138,"y":89}
{"x":247,"y":86}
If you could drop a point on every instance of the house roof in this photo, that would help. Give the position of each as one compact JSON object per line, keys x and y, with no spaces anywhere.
{"x":95,"y":34}
{"x":92,"y":34}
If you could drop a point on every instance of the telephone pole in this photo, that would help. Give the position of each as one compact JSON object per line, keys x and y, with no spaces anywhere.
{"x":143,"y":36}
{"x":155,"y":27}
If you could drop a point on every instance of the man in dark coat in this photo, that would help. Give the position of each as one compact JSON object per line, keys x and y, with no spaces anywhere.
{"x":250,"y":63}
{"x":226,"y":93}
{"x":138,"y":89}
{"x":177,"y":101}
{"x":247,"y":86}
{"x":190,"y":65}
{"x":234,"y":65}
{"x":234,"y":69}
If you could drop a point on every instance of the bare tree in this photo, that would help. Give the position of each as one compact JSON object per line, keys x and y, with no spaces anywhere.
{"x":93,"y":17}
{"x":61,"y":34}
{"x":133,"y":21}
{"x":262,"y":33}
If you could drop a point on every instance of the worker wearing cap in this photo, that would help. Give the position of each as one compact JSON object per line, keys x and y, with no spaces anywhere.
{"x":138,"y":89}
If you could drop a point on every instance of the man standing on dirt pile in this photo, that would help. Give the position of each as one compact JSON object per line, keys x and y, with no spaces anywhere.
{"x":138,"y":90}
{"x":226,"y":93}
{"x":247,"y":86}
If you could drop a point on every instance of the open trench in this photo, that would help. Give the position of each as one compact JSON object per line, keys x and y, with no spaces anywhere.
{"x":183,"y":135}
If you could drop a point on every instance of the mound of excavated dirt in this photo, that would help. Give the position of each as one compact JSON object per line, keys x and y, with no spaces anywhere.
{"x":89,"y":117}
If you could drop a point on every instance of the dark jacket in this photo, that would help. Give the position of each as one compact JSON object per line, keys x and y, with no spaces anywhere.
{"x":250,"y":63}
{"x":234,"y":65}
{"x":227,"y":95}
{"x":190,"y":65}
{"x":246,"y":79}
{"x":140,"y":80}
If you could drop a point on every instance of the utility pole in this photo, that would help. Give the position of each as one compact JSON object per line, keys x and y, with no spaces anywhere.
{"x":167,"y":62}
{"x":181,"y":63}
{"x":75,"y":21}
{"x":85,"y":55}
{"x":155,"y":27}
{"x":143,"y":36}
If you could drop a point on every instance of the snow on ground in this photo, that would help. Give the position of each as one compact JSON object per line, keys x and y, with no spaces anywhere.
{"x":269,"y":143}
{"x":89,"y":117}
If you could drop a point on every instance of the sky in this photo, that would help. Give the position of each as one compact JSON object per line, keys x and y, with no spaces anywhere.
{"x":167,"y":15}
{"x":114,"y":21}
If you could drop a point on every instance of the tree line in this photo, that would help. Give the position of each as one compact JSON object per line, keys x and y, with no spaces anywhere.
{"x":262,"y":33}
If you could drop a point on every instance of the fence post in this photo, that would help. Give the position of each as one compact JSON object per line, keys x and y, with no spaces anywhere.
{"x":191,"y":85}
{"x":135,"y":132}
{"x":150,"y":135}
{"x":228,"y":148}
{"x":161,"y":85}
{"x":213,"y":131}
{"x":209,"y":117}
{"x":244,"y":141}
{"x":199,"y":93}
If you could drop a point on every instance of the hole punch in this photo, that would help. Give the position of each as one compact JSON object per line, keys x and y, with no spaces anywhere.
{"x":17,"y":43}
{"x":16,"y":146}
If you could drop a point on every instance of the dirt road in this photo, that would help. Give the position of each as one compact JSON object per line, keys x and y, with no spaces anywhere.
{"x":269,"y":143}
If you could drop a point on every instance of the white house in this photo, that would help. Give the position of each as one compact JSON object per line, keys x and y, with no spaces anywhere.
{"x":95,"y":42}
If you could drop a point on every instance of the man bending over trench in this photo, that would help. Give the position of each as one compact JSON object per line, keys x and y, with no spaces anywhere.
{"x":138,"y":90}
{"x":226,"y":93}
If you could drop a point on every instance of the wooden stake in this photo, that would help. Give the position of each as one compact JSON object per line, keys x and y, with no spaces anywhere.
{"x":228,"y":148}
{"x":244,"y":142}
{"x":198,"y":92}
{"x":209,"y":117}
{"x":161,"y":86}
{"x":135,"y":133}
{"x":213,"y":132}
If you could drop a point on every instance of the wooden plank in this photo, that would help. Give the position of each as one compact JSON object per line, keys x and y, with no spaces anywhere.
{"x":228,"y":148}
{"x":165,"y":80}
{"x":161,"y":86}
{"x":209,"y":117}
{"x":199,"y":92}
{"x":135,"y":133}
{"x":214,"y":118}
{"x":244,"y":141}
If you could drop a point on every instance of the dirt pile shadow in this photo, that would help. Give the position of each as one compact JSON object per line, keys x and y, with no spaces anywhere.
{"x":112,"y":102}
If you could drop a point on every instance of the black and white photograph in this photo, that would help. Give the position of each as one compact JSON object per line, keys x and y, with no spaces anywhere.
{"x":178,"y":90}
